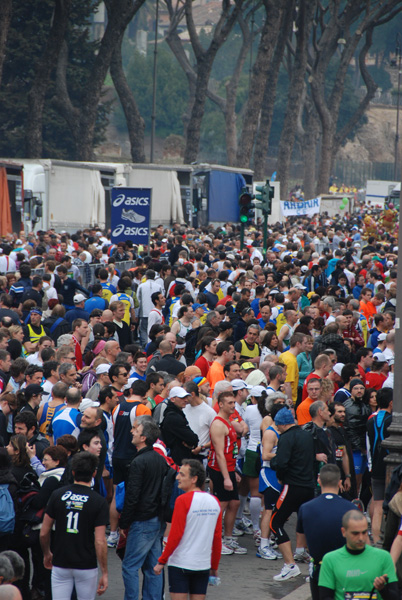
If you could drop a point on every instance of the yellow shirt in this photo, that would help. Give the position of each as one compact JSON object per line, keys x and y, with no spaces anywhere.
{"x":292,"y":372}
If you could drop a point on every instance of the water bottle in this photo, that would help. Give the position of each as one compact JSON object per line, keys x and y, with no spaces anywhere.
{"x":214,"y":580}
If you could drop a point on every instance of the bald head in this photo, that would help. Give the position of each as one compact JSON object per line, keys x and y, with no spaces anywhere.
{"x":165,"y":347}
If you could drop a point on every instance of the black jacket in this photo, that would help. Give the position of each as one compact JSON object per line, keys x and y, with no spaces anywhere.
{"x":143,"y":487}
{"x":334,"y":341}
{"x":294,"y":459}
{"x":40,"y":443}
{"x":176,"y":430}
{"x":62,"y":328}
{"x":169,"y":364}
{"x":357,"y":413}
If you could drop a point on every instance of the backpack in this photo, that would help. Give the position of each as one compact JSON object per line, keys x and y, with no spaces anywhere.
{"x":169,"y":493}
{"x":7,"y":511}
{"x":29,"y":518}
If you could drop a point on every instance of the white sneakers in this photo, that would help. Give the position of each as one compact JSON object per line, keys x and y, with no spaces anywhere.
{"x":266,"y":553}
{"x":288,"y":571}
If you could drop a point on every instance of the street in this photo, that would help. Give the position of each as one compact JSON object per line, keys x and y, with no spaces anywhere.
{"x":242,"y":577}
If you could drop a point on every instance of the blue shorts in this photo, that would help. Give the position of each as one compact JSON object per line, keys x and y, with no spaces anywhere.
{"x":184,"y":581}
{"x":359,"y":461}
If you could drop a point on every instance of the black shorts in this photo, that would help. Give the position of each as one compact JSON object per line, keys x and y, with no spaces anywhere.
{"x":270,"y":498}
{"x":121,"y":468}
{"x":184,"y":581}
{"x":378,"y":489}
{"x":290,"y":500}
{"x":219,"y":491}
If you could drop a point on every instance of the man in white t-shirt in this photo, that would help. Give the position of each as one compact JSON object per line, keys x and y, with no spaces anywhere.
{"x":199,"y":416}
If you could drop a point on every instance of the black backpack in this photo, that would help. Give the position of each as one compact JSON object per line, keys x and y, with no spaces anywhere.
{"x":28,"y":519}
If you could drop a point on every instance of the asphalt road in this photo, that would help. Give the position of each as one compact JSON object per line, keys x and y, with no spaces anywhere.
{"x":243,"y":576}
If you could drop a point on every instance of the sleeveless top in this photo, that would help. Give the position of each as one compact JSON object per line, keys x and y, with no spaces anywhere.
{"x":246,"y":352}
{"x":267,"y":475}
{"x":47,"y":415}
{"x":231,"y":449}
{"x":35,"y":337}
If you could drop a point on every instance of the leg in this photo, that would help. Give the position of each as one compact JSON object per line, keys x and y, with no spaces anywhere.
{"x":86,"y":581}
{"x":376,"y":520}
{"x":152,"y":584}
{"x":62,"y":583}
{"x":230,"y":516}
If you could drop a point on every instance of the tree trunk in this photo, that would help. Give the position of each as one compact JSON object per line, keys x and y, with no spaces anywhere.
{"x":269,"y":36}
{"x":5,"y":20}
{"x":193,"y":133}
{"x":43,"y":71}
{"x":326,"y":159}
{"x":295,"y":95}
{"x":309,"y":145}
{"x":268,"y":102}
{"x":135,"y":123}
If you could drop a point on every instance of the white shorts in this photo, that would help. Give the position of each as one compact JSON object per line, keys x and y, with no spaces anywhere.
{"x":63,"y":581}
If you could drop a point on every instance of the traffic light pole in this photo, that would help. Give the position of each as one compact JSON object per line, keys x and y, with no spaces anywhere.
{"x":264,"y":246}
{"x":241,"y":236}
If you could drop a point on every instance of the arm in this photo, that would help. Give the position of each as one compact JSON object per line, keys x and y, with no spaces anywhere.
{"x":216,"y":546}
{"x":101,"y":555}
{"x":133,"y":491}
{"x":181,"y":508}
{"x":268,"y":442}
{"x":218,"y":432}
{"x":283,"y":332}
{"x":282,"y":458}
{"x":45,"y":540}
{"x":346,"y":470}
{"x":81,"y":288}
{"x":396,"y":548}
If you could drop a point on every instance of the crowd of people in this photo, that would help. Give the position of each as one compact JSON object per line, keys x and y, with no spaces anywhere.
{"x":131,"y":377}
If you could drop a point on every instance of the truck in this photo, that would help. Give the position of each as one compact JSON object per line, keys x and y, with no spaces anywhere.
{"x":69,"y":195}
{"x":377,"y":191}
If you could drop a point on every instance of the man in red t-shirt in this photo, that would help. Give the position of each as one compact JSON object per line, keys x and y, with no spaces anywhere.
{"x":80,"y":338}
{"x":322,"y":366}
{"x":379,"y":372}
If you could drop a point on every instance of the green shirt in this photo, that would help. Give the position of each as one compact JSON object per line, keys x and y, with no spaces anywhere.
{"x":345,"y":572}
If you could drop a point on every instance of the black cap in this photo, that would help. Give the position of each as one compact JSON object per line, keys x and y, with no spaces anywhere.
{"x":33,"y":389}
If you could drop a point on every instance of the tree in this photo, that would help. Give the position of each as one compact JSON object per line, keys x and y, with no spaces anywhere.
{"x":81,"y":118}
{"x":268,"y":40}
{"x":303,"y":25}
{"x":5,"y":20}
{"x":204,"y":57}
{"x":349,"y":22}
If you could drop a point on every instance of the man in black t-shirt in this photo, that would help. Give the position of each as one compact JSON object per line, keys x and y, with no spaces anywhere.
{"x":80,"y":516}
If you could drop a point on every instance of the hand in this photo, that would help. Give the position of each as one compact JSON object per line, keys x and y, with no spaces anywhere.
{"x":123,"y":533}
{"x":196,"y":450}
{"x":227,"y":484}
{"x":238,"y":477}
{"x":158,"y":568}
{"x":31,"y":450}
{"x":213,"y":572}
{"x":321,"y":457}
{"x":48,"y":560}
{"x":346,"y":484}
{"x":380,"y":582}
{"x":77,"y":385}
{"x":102,"y":584}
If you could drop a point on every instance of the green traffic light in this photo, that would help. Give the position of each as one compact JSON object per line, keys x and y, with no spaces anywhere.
{"x":243,"y":219}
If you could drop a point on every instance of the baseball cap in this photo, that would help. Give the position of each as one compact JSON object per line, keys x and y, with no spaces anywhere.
{"x":382,"y":337}
{"x":304,"y":269}
{"x":300,"y":286}
{"x":33,"y":389}
{"x":178,"y":392}
{"x":197,"y":305}
{"x":338,"y":368}
{"x":257,"y":391}
{"x":87,"y":403}
{"x":380,"y":357}
{"x":103,"y":368}
{"x":247,"y":365}
{"x":79,"y":298}
{"x":284,"y":417}
{"x":239,"y":384}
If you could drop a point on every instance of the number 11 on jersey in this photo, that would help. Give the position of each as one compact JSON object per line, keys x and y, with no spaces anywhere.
{"x":72,"y":522}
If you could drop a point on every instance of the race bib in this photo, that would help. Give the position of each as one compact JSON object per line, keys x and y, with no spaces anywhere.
{"x":361,"y":595}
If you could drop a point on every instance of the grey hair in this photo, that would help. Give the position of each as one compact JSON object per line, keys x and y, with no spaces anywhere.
{"x":6,"y":568}
{"x":211,"y":315}
{"x":272,"y":398}
{"x":315,"y":407}
{"x":64,"y":340}
{"x":17,"y":563}
{"x":65,"y":368}
{"x":221,"y":386}
{"x":149,"y":429}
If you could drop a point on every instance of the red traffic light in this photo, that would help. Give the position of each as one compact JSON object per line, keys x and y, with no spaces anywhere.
{"x":245,"y":199}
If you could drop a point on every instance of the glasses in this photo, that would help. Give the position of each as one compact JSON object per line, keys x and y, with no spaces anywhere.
{"x":125,"y":374}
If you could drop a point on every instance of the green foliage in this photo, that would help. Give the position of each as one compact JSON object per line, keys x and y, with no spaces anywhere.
{"x":30,"y":26}
{"x":381,"y":77}
{"x":171,"y":92}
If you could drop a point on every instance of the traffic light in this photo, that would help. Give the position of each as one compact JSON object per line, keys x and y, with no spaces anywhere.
{"x":265,"y":196}
{"x":246,"y":207}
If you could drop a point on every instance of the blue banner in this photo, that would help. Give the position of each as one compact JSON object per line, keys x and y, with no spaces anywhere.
{"x":131,"y":215}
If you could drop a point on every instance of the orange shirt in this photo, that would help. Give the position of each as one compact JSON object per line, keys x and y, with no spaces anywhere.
{"x":368,"y":310}
{"x":302,"y":411}
{"x":215,"y":374}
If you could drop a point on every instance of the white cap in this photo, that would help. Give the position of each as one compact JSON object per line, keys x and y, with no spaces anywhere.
{"x":239,"y":384}
{"x":381,"y":338}
{"x":103,"y":368}
{"x":304,"y":269}
{"x":87,"y":403}
{"x":178,"y":392}
{"x":257,"y":391}
{"x":380,"y":357}
{"x":299,"y":286}
{"x":79,"y":298}
{"x":338,"y":368}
